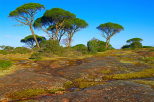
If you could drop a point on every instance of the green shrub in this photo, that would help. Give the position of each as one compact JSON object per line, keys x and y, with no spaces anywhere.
{"x":96,"y":45}
{"x":21,"y":50}
{"x":148,"y":47}
{"x":81,"y":48}
{"x":92,"y":45}
{"x":8,"y":48}
{"x":4,"y":64}
{"x":11,"y":50}
{"x":125,"y":47}
{"x":52,"y":47}
{"x":4,"y":52}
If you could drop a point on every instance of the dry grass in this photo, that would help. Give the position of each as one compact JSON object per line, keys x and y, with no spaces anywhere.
{"x":15,"y":56}
{"x":10,"y":70}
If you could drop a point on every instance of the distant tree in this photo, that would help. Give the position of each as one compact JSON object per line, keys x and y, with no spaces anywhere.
{"x":30,"y":41}
{"x":133,"y":43}
{"x":136,"y":45}
{"x":109,"y":30}
{"x":25,"y":15}
{"x":52,"y":22}
{"x":72,"y":26}
{"x":134,"y":40}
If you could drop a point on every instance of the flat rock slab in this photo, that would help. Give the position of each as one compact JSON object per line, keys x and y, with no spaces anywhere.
{"x":27,"y":79}
{"x":117,"y":91}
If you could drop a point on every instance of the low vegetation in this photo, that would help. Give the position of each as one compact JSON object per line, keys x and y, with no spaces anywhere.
{"x":29,"y":93}
{"x":4,"y":64}
{"x":146,"y":73}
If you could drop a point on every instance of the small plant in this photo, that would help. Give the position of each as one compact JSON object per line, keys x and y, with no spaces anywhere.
{"x":4,"y":64}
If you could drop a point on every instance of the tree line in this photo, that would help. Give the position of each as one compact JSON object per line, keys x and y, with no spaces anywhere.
{"x":58,"y":23}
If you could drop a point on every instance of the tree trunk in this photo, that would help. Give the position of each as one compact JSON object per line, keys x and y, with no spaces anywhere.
{"x":69,"y":42}
{"x":107,"y":43}
{"x":32,"y":31}
{"x":70,"y":39}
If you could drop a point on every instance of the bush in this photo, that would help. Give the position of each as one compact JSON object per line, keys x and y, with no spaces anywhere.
{"x":101,"y":46}
{"x":11,"y":50}
{"x":148,"y":47}
{"x":4,"y":64}
{"x":96,"y":45}
{"x":21,"y":50}
{"x":81,"y":48}
{"x":8,"y":48}
{"x":92,"y":46}
{"x":125,"y":47}
{"x":52,"y":47}
{"x":4,"y":52}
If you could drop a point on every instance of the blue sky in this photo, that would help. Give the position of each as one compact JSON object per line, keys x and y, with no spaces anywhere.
{"x":137,"y":17}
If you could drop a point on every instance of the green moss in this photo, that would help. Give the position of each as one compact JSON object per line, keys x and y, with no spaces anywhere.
{"x":29,"y":93}
{"x":89,"y":84}
{"x":26,"y":94}
{"x":147,"y":73}
{"x":81,"y":83}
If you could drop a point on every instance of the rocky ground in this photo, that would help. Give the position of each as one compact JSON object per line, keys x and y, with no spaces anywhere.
{"x":113,"y":76}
